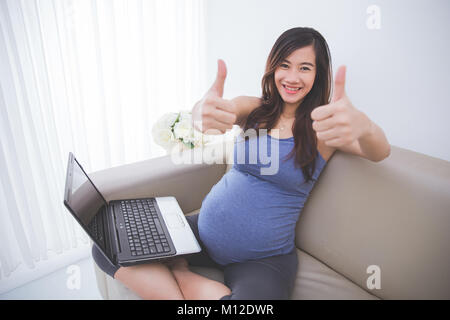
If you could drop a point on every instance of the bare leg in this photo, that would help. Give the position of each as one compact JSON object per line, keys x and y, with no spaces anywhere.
{"x":150,"y":281}
{"x":194,"y":286}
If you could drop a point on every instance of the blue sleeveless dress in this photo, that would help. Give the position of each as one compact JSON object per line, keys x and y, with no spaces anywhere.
{"x":248,"y":215}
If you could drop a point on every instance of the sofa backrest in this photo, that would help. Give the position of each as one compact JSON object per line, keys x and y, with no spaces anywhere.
{"x":388,"y":221}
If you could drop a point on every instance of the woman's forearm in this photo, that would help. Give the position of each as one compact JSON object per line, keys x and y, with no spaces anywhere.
{"x":374,"y":144}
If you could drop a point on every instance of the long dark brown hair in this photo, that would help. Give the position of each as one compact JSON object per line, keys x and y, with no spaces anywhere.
{"x":267,"y":115}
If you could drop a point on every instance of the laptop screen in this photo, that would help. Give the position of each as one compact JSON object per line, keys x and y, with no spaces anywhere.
{"x":83,"y":199}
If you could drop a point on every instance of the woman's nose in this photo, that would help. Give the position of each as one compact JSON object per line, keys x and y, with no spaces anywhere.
{"x":293,"y":77}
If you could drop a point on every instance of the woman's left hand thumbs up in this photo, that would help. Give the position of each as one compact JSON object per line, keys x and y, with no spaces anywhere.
{"x":339,"y":123}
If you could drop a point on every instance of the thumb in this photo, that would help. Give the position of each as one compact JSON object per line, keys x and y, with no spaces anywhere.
{"x":218,"y":85}
{"x":339,"y":84}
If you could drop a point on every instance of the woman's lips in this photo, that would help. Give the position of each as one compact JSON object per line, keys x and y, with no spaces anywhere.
{"x":291,"y":91}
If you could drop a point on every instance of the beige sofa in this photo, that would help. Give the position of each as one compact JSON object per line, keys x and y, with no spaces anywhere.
{"x":392,"y":217}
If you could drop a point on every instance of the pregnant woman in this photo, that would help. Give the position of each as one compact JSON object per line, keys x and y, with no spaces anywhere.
{"x":246,"y":224}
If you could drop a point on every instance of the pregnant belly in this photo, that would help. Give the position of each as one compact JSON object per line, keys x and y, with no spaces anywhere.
{"x":244,"y":218}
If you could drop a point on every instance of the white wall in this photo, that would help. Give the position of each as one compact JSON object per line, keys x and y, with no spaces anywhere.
{"x":399,"y":75}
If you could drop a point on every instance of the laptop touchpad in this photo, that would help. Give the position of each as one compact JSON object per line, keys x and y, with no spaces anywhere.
{"x":174,"y":221}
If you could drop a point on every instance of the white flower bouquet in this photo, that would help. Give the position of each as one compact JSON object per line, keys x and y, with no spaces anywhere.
{"x":175,"y":130}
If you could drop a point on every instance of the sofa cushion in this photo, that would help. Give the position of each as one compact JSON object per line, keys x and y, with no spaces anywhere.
{"x":316,"y":281}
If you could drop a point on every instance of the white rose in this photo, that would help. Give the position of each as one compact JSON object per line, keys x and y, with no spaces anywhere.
{"x":168,"y":119}
{"x":183,"y":129}
{"x":165,"y":121}
{"x":163,"y":136}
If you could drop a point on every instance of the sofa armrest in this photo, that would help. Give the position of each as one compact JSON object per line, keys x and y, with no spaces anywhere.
{"x":188,"y":183}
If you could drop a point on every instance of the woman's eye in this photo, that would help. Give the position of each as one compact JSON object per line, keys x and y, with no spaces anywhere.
{"x":284,"y":65}
{"x":305,"y":68}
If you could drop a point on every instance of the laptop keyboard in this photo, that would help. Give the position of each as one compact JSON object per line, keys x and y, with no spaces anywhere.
{"x":143,"y":226}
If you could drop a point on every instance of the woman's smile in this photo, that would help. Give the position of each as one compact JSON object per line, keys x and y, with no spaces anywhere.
{"x":291,"y":90}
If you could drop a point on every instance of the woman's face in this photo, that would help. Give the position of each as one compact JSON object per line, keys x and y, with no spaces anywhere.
{"x":295,"y":76}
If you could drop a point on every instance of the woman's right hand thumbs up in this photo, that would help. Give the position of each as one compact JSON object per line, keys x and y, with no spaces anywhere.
{"x":213,"y":114}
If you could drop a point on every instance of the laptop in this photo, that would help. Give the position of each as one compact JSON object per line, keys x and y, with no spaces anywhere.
{"x":131,"y":231}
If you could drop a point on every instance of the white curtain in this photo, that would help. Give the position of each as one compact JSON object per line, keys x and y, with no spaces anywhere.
{"x":89,"y":77}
